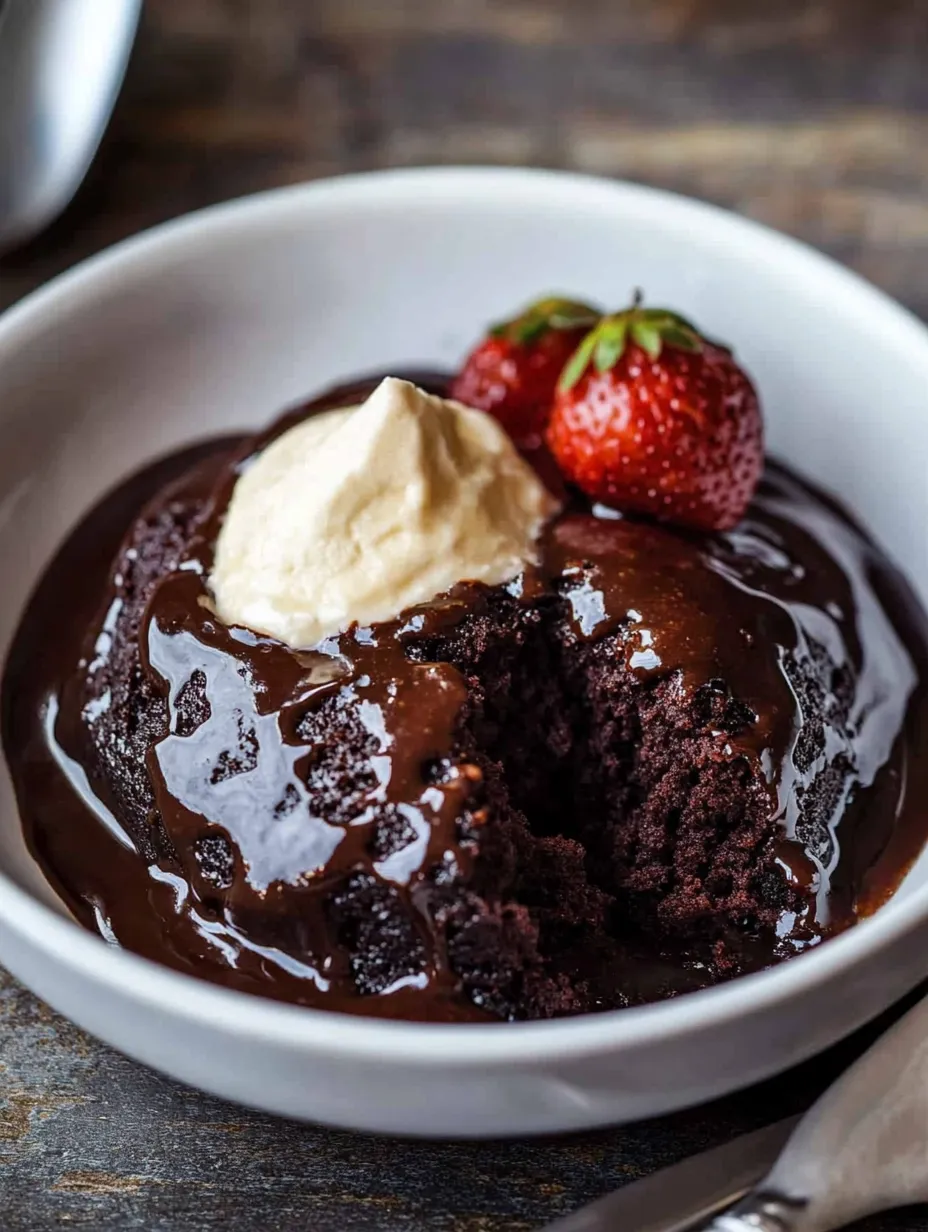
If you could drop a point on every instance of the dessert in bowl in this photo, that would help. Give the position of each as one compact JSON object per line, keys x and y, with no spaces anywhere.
{"x":578,"y":742}
{"x":368,"y":716}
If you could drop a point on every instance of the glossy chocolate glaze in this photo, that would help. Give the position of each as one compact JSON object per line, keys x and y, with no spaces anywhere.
{"x":759,"y":608}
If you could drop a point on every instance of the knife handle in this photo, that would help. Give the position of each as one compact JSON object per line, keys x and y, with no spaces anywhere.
{"x":761,"y":1211}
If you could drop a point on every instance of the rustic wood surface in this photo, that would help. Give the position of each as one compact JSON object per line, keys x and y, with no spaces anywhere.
{"x":811,"y":115}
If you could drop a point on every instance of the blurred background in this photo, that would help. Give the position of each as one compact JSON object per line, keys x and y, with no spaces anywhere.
{"x":811,"y":115}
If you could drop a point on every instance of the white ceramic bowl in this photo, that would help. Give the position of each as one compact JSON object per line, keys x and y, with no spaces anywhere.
{"x":219,"y":320}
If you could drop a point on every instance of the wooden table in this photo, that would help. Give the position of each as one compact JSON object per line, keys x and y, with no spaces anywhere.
{"x":811,"y":115}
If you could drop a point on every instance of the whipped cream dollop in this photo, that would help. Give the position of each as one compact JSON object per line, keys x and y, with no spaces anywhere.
{"x":356,"y":514}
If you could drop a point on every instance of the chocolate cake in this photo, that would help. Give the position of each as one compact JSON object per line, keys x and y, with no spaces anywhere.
{"x":655,"y":760}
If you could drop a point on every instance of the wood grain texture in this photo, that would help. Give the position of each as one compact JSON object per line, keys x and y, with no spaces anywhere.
{"x":811,"y":115}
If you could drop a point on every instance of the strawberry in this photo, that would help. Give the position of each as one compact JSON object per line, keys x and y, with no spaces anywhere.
{"x":513,"y":372}
{"x":652,"y":417}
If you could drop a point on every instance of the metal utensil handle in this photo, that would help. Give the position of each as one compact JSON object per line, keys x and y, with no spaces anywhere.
{"x":687,"y":1193}
{"x":760,"y":1212}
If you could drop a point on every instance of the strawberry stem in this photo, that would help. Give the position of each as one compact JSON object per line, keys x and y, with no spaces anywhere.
{"x":649,"y":328}
{"x":554,"y":312}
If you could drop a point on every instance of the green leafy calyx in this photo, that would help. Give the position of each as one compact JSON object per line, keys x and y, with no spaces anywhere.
{"x":552,"y":313}
{"x":651,"y":328}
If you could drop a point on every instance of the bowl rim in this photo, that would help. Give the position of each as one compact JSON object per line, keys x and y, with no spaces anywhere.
{"x":423,"y":1044}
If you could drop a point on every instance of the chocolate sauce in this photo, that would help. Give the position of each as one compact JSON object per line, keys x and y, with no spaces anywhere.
{"x":214,"y":856}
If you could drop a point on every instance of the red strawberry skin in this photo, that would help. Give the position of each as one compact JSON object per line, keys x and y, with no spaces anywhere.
{"x":677,"y":435}
{"x":513,"y":373}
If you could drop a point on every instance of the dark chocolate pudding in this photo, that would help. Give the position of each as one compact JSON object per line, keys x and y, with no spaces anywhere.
{"x":655,"y":761}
